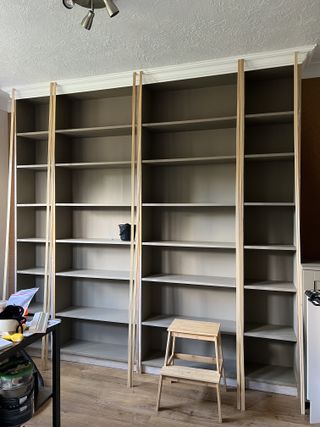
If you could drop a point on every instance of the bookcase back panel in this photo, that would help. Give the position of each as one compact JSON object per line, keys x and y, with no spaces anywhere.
{"x":278,"y":353}
{"x":273,"y":308}
{"x":203,"y":143}
{"x":98,"y":223}
{"x":99,"y":332}
{"x":100,"y":258}
{"x":29,"y":256}
{"x":271,"y":138}
{"x":27,"y":282}
{"x":190,"y":184}
{"x":191,"y":301}
{"x":269,"y":181}
{"x":198,"y":224}
{"x":187,"y":261}
{"x":31,"y":151}
{"x":31,"y":186}
{"x":263,"y":265}
{"x":184,"y":104}
{"x":33,"y":115}
{"x":269,"y":225}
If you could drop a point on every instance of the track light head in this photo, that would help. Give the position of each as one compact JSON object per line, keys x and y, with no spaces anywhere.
{"x":88,"y":20}
{"x":68,"y":3}
{"x":111,"y":8}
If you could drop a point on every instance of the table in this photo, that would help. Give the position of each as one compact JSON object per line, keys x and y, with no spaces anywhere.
{"x":45,"y":393}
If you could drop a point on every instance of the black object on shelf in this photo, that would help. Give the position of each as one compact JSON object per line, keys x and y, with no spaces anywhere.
{"x":125,"y":232}
{"x":313,"y":297}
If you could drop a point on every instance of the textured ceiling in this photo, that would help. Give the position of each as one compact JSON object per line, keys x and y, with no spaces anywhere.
{"x":40,"y":40}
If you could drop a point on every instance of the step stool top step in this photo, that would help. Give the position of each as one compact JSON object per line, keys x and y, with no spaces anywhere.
{"x":191,"y":374}
{"x":195,"y":327}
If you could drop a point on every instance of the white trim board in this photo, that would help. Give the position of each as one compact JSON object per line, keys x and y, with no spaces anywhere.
{"x":253,"y":61}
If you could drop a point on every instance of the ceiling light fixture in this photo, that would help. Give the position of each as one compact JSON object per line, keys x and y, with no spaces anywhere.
{"x":92,"y":5}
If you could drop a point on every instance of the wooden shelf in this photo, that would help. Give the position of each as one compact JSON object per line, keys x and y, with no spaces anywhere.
{"x":266,"y":118}
{"x":93,"y":241}
{"x":96,"y":350}
{"x":93,"y":205}
{"x":188,"y":279}
{"x":190,"y":205}
{"x":35,"y":271}
{"x":95,"y":132}
{"x":39,"y":135}
{"x":271,"y":247}
{"x":271,"y":285}
{"x":270,"y":374}
{"x":164,"y":320}
{"x":196,"y":124}
{"x":191,"y":244}
{"x":270,"y":204}
{"x":95,"y":314}
{"x":190,"y":161}
{"x":94,"y":165}
{"x":269,"y":156}
{"x":35,"y":167}
{"x":96,"y":274}
{"x":31,"y":240}
{"x":31,"y":205}
{"x":271,"y":332}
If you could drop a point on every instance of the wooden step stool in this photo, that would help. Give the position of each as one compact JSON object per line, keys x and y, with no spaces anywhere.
{"x":194,"y":330}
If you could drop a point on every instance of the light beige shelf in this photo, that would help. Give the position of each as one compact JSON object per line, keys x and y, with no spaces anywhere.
{"x":31,"y":205}
{"x":270,"y":374}
{"x":39,"y":135}
{"x":196,"y":124}
{"x":96,"y":350}
{"x":96,"y":274}
{"x":269,"y":156}
{"x":93,"y":241}
{"x":95,"y":314}
{"x":93,"y":205}
{"x":270,"y":204}
{"x":94,"y":132}
{"x":164,"y":320}
{"x":190,"y":161}
{"x":271,"y":332}
{"x":190,"y":205}
{"x":35,"y":271}
{"x":271,"y":247}
{"x":94,"y":165}
{"x":271,"y":285}
{"x":191,"y":244}
{"x":35,"y":167}
{"x":268,"y":118}
{"x":31,"y":240}
{"x":188,"y":279}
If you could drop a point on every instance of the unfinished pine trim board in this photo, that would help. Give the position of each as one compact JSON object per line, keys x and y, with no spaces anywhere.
{"x":195,"y":187}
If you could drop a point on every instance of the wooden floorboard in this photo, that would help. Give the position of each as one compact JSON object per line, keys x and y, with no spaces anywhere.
{"x":98,"y":397}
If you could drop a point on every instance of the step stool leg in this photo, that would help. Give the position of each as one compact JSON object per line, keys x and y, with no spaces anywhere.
{"x":222,"y":363}
{"x":166,"y":357}
{"x":219,"y":403}
{"x":159,"y":393}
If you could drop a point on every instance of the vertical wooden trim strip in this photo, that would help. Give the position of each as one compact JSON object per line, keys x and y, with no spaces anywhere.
{"x":297,"y":178}
{"x":9,"y":194}
{"x":240,"y":236}
{"x":132,"y":237}
{"x":137,"y":287}
{"x":52,"y":131}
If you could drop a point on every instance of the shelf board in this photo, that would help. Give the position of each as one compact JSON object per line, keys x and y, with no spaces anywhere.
{"x":35,"y":271}
{"x":96,"y":350}
{"x":32,"y":240}
{"x":96,"y":314}
{"x":265,"y":118}
{"x":269,"y":156}
{"x":271,"y":332}
{"x":196,"y":124}
{"x":31,"y":205}
{"x":94,"y":165}
{"x":96,"y":274}
{"x":271,"y":285}
{"x":94,"y":205}
{"x":190,"y":205}
{"x":35,"y":167}
{"x":270,"y":374}
{"x":38,"y":135}
{"x":164,"y":320}
{"x":191,"y":244}
{"x":190,"y":161}
{"x":95,"y":132}
{"x":188,"y":279}
{"x":271,"y":247}
{"x":271,"y":204}
{"x":93,"y":241}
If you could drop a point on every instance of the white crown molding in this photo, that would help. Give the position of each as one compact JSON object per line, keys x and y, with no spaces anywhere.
{"x":253,"y":61}
{"x":4,"y":101}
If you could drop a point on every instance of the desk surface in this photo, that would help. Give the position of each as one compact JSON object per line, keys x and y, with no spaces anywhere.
{"x":9,"y":351}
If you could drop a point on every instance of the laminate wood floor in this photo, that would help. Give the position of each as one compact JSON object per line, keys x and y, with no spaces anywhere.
{"x":98,"y":397}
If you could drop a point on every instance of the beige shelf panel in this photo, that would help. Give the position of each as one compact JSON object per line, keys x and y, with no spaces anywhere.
{"x":272,"y":332}
{"x":96,"y":350}
{"x":188,"y":279}
{"x":186,"y":244}
{"x":271,"y":285}
{"x":96,"y":274}
{"x":95,"y":313}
